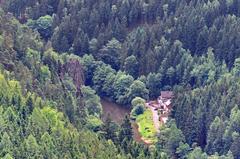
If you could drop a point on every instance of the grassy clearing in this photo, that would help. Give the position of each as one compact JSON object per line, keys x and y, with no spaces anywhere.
{"x":146,"y":126}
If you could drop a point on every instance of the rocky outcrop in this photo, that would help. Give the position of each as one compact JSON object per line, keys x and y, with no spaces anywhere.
{"x":74,"y":69}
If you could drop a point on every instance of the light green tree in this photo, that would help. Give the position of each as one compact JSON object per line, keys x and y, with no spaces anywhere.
{"x":6,"y":145}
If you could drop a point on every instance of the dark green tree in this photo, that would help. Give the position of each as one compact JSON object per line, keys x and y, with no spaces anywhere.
{"x":110,"y":130}
{"x":125,"y":132}
{"x":131,"y":66}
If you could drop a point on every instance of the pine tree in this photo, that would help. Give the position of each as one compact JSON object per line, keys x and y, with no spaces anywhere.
{"x":29,"y":104}
{"x":235,"y":146}
{"x":31,"y":148}
{"x":215,"y":134}
{"x":7,"y":156}
{"x":47,"y":146}
{"x":6,"y":146}
{"x":110,"y":129}
{"x":125,"y":130}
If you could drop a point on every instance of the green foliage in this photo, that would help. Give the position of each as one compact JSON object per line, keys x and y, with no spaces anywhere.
{"x":92,"y":101}
{"x":125,"y":133}
{"x":197,"y":154}
{"x":236,"y":69}
{"x":194,"y":44}
{"x":153,"y":83}
{"x":215,"y":134}
{"x":138,"y":89}
{"x":1,"y":41}
{"x":100,"y":79}
{"x":6,"y":146}
{"x":89,"y":65}
{"x":110,"y":53}
{"x":7,"y":156}
{"x":43,"y":25}
{"x":109,"y":129}
{"x":31,"y":148}
{"x":121,"y":86}
{"x":216,"y":156}
{"x":182,"y":150}
{"x":94,"y":123}
{"x":131,"y":66}
{"x":203,"y":124}
{"x":42,"y":109}
{"x":206,"y":72}
{"x":45,"y":74}
{"x":146,"y":126}
{"x":138,"y":107}
{"x":32,"y":57}
{"x":45,"y":132}
{"x":235,"y":145}
{"x":171,"y":139}
{"x":138,"y":101}
{"x":47,"y":146}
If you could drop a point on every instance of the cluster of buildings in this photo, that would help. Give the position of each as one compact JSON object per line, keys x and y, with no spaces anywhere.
{"x":163,"y":105}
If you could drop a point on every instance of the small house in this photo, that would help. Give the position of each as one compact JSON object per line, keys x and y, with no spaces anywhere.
{"x":166,"y":95}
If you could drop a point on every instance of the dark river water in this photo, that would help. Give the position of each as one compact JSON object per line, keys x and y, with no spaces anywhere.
{"x":117,"y":113}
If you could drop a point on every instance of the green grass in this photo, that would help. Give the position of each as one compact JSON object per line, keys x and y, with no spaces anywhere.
{"x":146,"y":126}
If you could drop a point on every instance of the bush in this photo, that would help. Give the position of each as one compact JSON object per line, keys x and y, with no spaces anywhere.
{"x":138,"y":105}
{"x":138,"y":101}
{"x":139,"y":109}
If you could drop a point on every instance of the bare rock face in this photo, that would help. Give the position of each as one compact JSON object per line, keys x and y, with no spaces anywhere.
{"x":75,"y":70}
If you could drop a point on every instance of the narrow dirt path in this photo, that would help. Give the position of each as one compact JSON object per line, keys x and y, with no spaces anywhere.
{"x":155,"y":117}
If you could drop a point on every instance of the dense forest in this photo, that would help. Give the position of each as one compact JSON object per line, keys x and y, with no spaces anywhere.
{"x":58,"y":58}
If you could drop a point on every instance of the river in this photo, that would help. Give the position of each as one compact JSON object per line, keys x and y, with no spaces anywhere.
{"x":117,"y":113}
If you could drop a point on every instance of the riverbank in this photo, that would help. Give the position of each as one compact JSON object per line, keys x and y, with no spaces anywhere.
{"x":117,"y":113}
